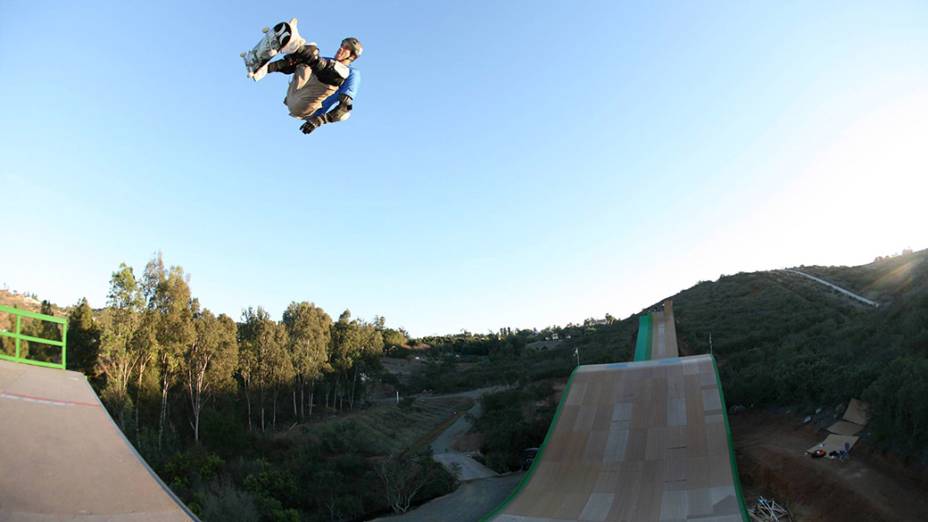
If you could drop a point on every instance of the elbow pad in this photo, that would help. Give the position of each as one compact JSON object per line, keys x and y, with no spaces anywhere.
{"x":342,"y":112}
{"x":330,"y":72}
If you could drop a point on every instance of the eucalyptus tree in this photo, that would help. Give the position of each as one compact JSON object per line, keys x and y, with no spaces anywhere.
{"x":309,"y":332}
{"x":367,"y":355}
{"x":345,"y":348}
{"x":83,"y":339}
{"x":174,"y":331}
{"x":393,"y":337}
{"x":144,"y":346}
{"x":209,"y":362}
{"x":353,"y":341}
{"x":152,"y":276}
{"x":118,"y":324}
{"x":248,"y":356}
{"x":264,"y":361}
{"x":279,"y":364}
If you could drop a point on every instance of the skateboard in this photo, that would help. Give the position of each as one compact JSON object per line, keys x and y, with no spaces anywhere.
{"x":283,"y":38}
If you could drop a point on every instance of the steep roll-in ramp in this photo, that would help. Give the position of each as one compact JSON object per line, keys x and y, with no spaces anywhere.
{"x":63,"y":458}
{"x":663,"y":334}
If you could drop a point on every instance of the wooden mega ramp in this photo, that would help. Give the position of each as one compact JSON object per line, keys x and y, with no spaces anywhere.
{"x":638,"y":441}
{"x":63,"y":458}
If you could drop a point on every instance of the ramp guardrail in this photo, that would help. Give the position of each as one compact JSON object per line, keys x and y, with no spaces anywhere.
{"x":18,"y":337}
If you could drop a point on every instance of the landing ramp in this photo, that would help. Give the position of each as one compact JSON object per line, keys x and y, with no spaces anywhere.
{"x":63,"y":458}
{"x":635,"y":442}
{"x":642,"y":441}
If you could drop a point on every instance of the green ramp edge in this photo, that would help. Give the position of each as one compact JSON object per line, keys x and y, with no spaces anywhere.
{"x":643,"y":342}
{"x":541,"y":450}
{"x":739,"y":492}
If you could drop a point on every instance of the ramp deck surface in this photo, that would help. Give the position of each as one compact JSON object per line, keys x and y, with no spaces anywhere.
{"x":63,"y":458}
{"x":664,"y":334}
{"x":638,"y":441}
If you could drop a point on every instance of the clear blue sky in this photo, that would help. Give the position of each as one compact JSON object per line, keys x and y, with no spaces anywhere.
{"x":507,"y":164}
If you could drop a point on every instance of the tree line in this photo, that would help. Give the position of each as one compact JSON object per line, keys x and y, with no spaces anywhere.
{"x":154,"y":345}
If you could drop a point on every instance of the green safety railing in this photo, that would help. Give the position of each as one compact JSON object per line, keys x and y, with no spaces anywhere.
{"x":18,"y":337}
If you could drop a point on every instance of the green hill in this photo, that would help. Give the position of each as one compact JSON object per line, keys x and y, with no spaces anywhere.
{"x":785,"y":340}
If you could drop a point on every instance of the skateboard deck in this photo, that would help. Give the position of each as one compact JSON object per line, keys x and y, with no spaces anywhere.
{"x":282,"y":38}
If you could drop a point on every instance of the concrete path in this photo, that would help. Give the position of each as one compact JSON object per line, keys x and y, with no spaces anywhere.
{"x":468,"y":503}
{"x":466,"y":467}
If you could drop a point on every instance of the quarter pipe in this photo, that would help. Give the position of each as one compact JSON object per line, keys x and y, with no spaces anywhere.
{"x":63,"y":458}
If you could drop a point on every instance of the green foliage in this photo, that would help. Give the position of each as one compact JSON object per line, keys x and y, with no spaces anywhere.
{"x":191,"y":466}
{"x":406,"y":478}
{"x":346,"y":437}
{"x":222,"y":500}
{"x":900,"y":397}
{"x":309,"y":330}
{"x":209,"y":362}
{"x":265,"y":362}
{"x":511,"y":363}
{"x":512,"y":421}
{"x":154,"y":343}
{"x":83,"y":339}
{"x":43,"y":330}
{"x":222,"y":429}
{"x":273,"y":488}
{"x":784,"y":340}
{"x":118,"y":324}
{"x":393,"y":337}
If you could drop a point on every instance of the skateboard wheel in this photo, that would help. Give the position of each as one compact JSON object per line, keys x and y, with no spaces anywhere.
{"x":241,"y":55}
{"x":265,"y":29}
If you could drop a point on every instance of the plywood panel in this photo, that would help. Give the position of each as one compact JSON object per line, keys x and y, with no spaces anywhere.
{"x":857,"y":412}
{"x":845,"y":428}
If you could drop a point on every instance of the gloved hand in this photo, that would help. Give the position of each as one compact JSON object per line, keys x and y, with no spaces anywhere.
{"x":312,"y":124}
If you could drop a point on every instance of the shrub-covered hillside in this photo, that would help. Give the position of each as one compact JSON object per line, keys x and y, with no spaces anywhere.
{"x":781,"y":340}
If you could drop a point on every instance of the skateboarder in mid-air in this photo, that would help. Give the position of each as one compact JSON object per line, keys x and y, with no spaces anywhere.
{"x":322,"y":90}
{"x":320,"y":83}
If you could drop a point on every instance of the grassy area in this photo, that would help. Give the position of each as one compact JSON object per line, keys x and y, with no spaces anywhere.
{"x":392,"y":428}
{"x":324,"y":470}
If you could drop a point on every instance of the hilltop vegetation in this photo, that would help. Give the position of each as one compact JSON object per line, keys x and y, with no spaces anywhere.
{"x":884,"y":280}
{"x":783,"y":340}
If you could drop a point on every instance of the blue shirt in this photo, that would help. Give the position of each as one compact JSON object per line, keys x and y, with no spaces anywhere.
{"x":349,"y":87}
